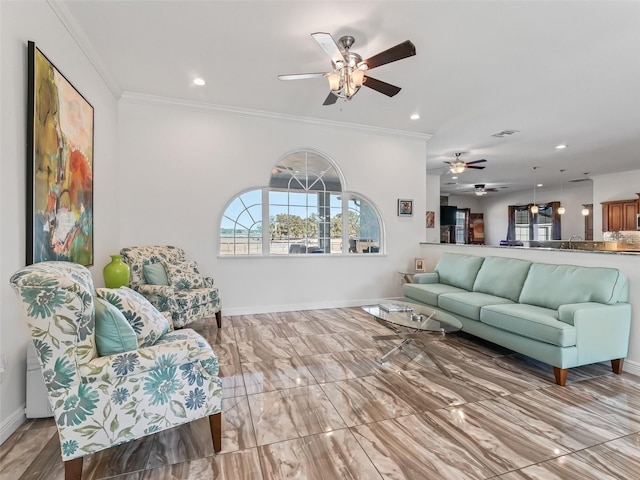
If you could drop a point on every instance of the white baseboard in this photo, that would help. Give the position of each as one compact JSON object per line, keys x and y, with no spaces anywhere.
{"x":11,"y":423}
{"x":631,"y":367}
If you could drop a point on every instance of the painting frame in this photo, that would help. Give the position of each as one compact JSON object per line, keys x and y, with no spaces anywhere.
{"x":60,"y":155}
{"x":405,"y":207}
{"x":430,"y":219}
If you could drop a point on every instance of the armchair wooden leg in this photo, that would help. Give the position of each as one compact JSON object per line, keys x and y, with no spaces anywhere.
{"x":219,"y":319}
{"x":561,"y":375}
{"x":616,"y":365}
{"x":73,"y":469}
{"x":215,"y":422}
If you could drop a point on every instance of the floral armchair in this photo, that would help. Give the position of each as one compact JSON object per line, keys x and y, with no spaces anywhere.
{"x":169,"y":377}
{"x":183,"y":292}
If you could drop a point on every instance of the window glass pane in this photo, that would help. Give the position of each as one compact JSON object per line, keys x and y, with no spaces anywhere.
{"x":241,"y":225}
{"x":364,"y":227}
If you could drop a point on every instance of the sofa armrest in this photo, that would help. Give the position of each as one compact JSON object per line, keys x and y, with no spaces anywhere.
{"x":602,"y":331}
{"x":575,"y":313}
{"x":431,"y":277}
{"x":208,"y":282}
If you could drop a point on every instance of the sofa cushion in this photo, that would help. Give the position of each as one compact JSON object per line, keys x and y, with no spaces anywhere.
{"x":114,"y":334}
{"x":468,"y":304}
{"x":428,"y":293}
{"x":458,"y":270}
{"x":530,"y":321}
{"x":503,"y":277}
{"x":553,"y":285}
{"x":148,"y":323}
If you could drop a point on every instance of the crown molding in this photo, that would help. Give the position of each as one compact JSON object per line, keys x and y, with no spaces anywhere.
{"x":78,"y":36}
{"x":144,"y":99}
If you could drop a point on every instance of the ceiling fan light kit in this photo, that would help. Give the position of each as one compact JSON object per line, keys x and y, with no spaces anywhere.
{"x":458,"y":165}
{"x":348,"y":68}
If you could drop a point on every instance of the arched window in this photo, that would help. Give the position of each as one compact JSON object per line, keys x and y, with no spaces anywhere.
{"x":308,"y":213}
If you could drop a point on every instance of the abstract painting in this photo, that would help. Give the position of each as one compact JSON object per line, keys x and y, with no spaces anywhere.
{"x":59,"y":166}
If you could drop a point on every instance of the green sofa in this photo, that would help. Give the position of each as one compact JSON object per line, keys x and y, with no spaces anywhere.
{"x":563,"y":315}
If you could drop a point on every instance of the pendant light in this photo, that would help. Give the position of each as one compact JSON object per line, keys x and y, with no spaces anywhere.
{"x":534,"y":207}
{"x":561,"y":209}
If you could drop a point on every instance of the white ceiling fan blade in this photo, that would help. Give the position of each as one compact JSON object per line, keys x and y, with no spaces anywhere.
{"x":301,"y":76}
{"x":329,"y":45}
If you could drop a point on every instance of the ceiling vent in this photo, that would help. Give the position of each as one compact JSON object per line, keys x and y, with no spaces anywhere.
{"x":578,"y":180}
{"x":505,"y":133}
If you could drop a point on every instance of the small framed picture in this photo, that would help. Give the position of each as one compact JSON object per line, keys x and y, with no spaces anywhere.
{"x":405,"y":207}
{"x":419,"y":265}
{"x":431,"y":219}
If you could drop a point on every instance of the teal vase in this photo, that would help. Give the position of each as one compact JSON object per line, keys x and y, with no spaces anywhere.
{"x":116,"y":273}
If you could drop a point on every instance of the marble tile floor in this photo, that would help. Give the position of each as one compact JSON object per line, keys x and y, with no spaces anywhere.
{"x":305,"y":398}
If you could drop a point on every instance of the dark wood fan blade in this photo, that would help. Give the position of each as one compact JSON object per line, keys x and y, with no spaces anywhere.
{"x":330,"y":100}
{"x":400,"y":51}
{"x":476,"y":161}
{"x":329,"y":45}
{"x":300,"y":76}
{"x":473,"y":166}
{"x":380,"y":86}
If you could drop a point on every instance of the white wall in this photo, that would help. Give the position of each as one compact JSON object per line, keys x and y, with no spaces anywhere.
{"x":572,"y":198}
{"x":614,"y":186}
{"x":182,"y":164}
{"x":467,"y":201}
{"x":629,"y":265}
{"x":35,"y":21}
{"x":433,"y":205}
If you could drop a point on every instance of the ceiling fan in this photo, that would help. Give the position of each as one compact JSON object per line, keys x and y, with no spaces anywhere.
{"x":459,"y":166}
{"x":348,"y":69}
{"x":480,"y":189}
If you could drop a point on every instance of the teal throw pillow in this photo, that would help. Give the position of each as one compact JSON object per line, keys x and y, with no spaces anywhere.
{"x":155,"y":274}
{"x":114,"y":334}
{"x":148,"y":323}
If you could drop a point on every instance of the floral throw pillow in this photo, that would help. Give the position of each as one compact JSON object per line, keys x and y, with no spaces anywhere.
{"x":184,"y":275}
{"x":148,"y":323}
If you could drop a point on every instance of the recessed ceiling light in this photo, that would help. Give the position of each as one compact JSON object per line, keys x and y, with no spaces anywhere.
{"x":540,"y":185}
{"x":454,"y":178}
{"x":415,"y":116}
{"x":199,"y":81}
{"x":561,"y":146}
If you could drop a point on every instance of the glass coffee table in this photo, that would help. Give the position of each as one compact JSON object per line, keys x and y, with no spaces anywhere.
{"x":412,"y":323}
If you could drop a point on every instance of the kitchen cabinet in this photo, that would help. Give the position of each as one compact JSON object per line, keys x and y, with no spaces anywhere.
{"x":619,"y":215}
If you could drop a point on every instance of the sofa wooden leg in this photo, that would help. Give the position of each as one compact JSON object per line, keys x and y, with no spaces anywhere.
{"x":219,"y":319}
{"x":73,"y":469}
{"x":561,"y":375}
{"x":616,"y":365}
{"x":215,"y":422}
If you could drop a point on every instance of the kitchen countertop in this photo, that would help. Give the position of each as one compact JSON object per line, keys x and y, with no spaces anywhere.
{"x":556,"y":249}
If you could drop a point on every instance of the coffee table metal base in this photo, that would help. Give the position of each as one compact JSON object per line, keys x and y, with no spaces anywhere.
{"x":410,"y":326}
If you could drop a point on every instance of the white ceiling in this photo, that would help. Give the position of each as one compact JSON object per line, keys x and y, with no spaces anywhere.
{"x":559,"y":72}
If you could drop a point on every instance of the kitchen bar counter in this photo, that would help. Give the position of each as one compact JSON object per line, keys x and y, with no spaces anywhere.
{"x":560,"y":245}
